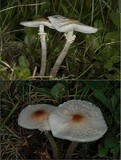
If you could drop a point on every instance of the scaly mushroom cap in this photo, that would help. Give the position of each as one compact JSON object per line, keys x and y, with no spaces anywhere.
{"x":37,"y":23}
{"x":77,"y":120}
{"x":63,"y":24}
{"x":35,"y":117}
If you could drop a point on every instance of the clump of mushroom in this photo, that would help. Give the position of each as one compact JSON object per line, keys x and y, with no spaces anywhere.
{"x":74,"y":120}
{"x":63,"y":24}
{"x":77,"y":121}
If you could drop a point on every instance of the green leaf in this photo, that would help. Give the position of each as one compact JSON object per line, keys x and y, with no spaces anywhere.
{"x":115,"y":150}
{"x":117,"y":93}
{"x":93,"y":41}
{"x":58,"y":91}
{"x":64,"y":8}
{"x":30,"y":39}
{"x":98,"y":24}
{"x":24,"y":73}
{"x":102,"y":98}
{"x":115,"y":59}
{"x":115,"y":17}
{"x":117,"y":115}
{"x":43,"y":91}
{"x":102,"y":151}
{"x":31,"y":30}
{"x":111,"y":141}
{"x":112,"y":36}
{"x":23,"y":62}
{"x":97,"y":85}
{"x":108,"y":65}
{"x":109,"y":51}
{"x":114,"y":101}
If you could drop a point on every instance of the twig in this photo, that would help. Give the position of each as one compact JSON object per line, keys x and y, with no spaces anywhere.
{"x":84,"y":72}
{"x":40,"y":77}
{"x":6,"y":65}
{"x":34,"y":72}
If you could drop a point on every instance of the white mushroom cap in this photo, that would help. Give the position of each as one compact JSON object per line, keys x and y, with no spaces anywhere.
{"x":77,"y":120}
{"x":35,"y":116}
{"x":37,"y":23}
{"x":63,"y":24}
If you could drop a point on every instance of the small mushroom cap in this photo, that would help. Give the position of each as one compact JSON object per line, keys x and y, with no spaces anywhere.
{"x":35,"y":116}
{"x":37,"y":23}
{"x":63,"y":24}
{"x":77,"y":120}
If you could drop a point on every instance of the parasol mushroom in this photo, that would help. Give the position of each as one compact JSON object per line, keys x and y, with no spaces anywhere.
{"x":77,"y":121}
{"x":36,"y":117}
{"x":63,"y":24}
{"x":41,"y":22}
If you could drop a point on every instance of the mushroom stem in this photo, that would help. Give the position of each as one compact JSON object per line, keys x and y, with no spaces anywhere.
{"x":71,"y":150}
{"x":70,"y":37}
{"x":44,"y":50}
{"x":53,"y":145}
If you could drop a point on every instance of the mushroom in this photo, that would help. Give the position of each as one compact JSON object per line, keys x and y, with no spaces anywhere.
{"x":37,"y":23}
{"x":63,"y":24}
{"x":41,"y":22}
{"x":77,"y":121}
{"x":36,"y":117}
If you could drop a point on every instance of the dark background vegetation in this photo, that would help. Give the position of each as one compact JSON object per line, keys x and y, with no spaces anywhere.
{"x":90,"y":56}
{"x":19,"y":143}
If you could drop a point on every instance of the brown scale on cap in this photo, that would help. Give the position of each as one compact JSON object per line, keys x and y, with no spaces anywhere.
{"x":77,"y":118}
{"x":72,"y":19}
{"x":41,"y":19}
{"x":40,"y":115}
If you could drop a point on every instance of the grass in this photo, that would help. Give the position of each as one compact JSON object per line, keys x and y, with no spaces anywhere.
{"x":90,"y":56}
{"x":19,"y":143}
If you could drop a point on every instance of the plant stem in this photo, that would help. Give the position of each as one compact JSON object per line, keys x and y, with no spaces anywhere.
{"x":71,"y":150}
{"x":44,"y":50}
{"x":53,"y":145}
{"x":22,"y":5}
{"x":70,"y":38}
{"x":36,"y":10}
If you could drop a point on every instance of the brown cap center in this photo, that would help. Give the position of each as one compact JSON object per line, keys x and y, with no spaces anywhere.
{"x":77,"y":118}
{"x":72,"y":19}
{"x":41,"y":19}
{"x":40,"y":115}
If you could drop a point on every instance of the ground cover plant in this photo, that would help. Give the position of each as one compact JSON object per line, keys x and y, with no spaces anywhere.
{"x":20,"y":143}
{"x":89,"y":57}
